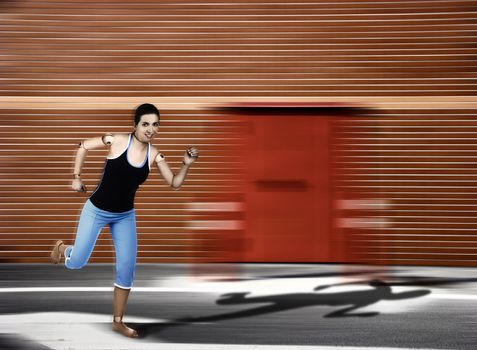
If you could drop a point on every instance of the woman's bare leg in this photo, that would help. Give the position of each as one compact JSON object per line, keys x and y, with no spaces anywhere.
{"x":119,"y":306}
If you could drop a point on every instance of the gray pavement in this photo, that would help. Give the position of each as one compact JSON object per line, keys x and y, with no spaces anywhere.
{"x":254,"y":306}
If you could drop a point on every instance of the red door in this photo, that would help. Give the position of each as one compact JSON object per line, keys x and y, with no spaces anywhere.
{"x":287,"y":189}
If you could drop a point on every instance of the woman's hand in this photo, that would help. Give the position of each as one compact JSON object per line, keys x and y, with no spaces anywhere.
{"x":191,"y":155}
{"x":77,"y":185}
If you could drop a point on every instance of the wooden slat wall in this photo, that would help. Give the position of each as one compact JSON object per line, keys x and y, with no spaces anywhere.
{"x":409,"y":181}
{"x":72,"y":69}
{"x":37,"y":205}
{"x":240,"y":48}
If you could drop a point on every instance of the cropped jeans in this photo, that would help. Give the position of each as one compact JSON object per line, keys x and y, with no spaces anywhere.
{"x":123,"y":231}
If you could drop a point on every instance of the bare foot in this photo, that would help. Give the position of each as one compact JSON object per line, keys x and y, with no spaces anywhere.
{"x":55,"y":255}
{"x":120,"y":327}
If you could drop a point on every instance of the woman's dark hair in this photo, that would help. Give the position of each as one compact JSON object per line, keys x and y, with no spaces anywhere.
{"x":145,"y":108}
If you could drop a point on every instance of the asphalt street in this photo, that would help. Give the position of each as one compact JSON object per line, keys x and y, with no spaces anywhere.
{"x":253,"y":306}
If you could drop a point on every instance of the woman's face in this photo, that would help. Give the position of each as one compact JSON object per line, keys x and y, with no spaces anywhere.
{"x":147,"y":127}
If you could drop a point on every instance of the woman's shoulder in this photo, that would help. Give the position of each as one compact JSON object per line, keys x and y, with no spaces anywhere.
{"x":120,"y":136}
{"x":118,"y":143}
{"x":155,"y":151}
{"x":118,"y":139}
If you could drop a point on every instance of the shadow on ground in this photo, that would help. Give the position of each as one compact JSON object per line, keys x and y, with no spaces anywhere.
{"x":352,"y":300}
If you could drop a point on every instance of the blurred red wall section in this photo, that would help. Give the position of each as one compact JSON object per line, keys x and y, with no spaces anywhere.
{"x":288,"y":188}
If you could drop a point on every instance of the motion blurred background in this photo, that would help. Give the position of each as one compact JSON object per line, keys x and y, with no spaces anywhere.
{"x":329,"y":131}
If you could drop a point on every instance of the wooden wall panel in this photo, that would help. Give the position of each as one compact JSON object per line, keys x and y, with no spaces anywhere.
{"x":409,"y":183}
{"x":240,"y":48}
{"x":74,"y":69}
{"x":37,"y":205}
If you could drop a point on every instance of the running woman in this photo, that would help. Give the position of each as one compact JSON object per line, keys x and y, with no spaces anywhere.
{"x":112,"y":203}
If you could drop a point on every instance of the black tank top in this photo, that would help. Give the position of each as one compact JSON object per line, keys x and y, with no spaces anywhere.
{"x":120,"y":181}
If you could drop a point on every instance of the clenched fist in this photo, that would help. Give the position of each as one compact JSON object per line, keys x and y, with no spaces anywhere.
{"x":191,"y":155}
{"x":77,"y":185}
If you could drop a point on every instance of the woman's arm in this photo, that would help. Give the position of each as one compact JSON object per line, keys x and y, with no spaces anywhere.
{"x":83,"y":148}
{"x":176,"y":180}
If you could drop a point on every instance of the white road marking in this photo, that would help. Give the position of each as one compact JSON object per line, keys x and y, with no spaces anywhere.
{"x":212,"y":288}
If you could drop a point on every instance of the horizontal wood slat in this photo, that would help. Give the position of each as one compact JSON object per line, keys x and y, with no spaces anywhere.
{"x":424,"y":48}
{"x":37,"y":205}
{"x":70,"y":69}
{"x":410,"y":183}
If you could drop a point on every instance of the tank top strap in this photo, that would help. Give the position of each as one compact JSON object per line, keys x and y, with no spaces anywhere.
{"x":129,"y":141}
{"x":148,"y":156}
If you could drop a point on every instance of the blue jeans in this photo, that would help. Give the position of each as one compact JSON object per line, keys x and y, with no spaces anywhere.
{"x":123,"y":231}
